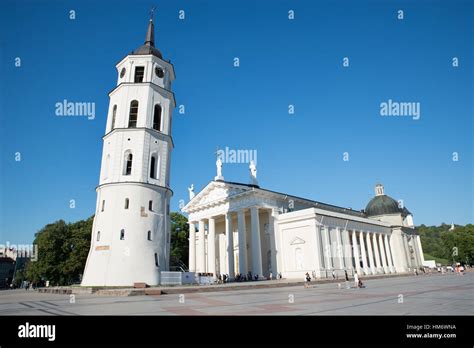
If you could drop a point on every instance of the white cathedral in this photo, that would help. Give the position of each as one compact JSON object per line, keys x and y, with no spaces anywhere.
{"x":238,"y":227}
{"x":233,"y":227}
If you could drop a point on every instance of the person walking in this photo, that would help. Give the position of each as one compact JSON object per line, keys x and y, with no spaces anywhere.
{"x":356,"y":280}
{"x":308,"y":280}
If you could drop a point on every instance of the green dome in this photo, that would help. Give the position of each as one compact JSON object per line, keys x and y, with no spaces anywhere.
{"x":381,"y":205}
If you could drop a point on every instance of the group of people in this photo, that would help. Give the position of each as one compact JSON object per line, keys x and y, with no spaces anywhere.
{"x":357,"y":281}
{"x":245,"y":277}
{"x":224,"y":278}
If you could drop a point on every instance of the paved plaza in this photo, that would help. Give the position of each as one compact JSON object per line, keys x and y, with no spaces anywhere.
{"x":435,"y":294}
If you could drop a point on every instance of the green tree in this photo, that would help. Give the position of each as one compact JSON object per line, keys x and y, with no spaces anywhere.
{"x":179,"y":240}
{"x":455,"y":246}
{"x":62,"y":252}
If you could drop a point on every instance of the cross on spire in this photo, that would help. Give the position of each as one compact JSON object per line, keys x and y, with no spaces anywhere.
{"x":152,"y":12}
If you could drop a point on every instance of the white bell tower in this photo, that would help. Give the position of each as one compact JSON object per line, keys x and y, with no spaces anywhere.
{"x":131,"y":231}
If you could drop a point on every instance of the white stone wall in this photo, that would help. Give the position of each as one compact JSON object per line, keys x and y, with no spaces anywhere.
{"x":115,"y":262}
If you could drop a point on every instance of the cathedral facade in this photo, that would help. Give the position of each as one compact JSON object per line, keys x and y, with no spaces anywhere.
{"x":238,"y":228}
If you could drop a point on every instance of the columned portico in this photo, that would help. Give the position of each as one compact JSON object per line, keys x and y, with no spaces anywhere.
{"x":256,"y":243}
{"x":371,"y":254}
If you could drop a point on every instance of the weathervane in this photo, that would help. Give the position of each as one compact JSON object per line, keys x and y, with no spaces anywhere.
{"x":152,"y":12}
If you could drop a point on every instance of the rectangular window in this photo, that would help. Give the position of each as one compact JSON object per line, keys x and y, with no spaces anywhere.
{"x":122,"y":234}
{"x":150,"y":205}
{"x":103,"y":205}
{"x":139,"y":72}
{"x":156,"y":260}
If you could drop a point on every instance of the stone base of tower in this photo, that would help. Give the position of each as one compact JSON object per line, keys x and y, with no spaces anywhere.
{"x":125,"y":273}
{"x":130,"y":235}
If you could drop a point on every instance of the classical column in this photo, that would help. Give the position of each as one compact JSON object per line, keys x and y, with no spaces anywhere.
{"x":211,"y":247}
{"x":230,"y":245}
{"x":415,"y":252}
{"x":339,"y":253}
{"x":346,"y":250}
{"x":371,"y":254}
{"x":271,"y":232}
{"x":420,"y":249}
{"x":327,"y":247}
{"x":242,"y":242}
{"x":378,"y":266}
{"x":398,"y":251}
{"x":256,"y":243}
{"x":383,"y":254}
{"x":319,"y":260}
{"x":355,"y":248}
{"x":363,"y":253}
{"x":407,"y":250}
{"x":192,"y":247}
{"x":389,"y":254}
{"x":202,"y":247}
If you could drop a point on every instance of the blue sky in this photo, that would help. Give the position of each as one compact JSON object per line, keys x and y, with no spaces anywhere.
{"x":282,"y":62}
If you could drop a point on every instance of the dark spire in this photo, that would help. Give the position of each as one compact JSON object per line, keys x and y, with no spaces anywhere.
{"x":149,"y":46}
{"x":150,"y":34}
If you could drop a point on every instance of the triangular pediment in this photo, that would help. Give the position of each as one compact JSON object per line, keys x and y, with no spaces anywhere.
{"x":214,"y":193}
{"x":297,"y":240}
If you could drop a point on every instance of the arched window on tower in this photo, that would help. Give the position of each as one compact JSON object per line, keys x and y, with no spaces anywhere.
{"x":149,"y":235}
{"x":127,"y":203}
{"x":153,"y":167}
{"x":133,"y":116}
{"x":122,"y":234}
{"x":98,"y":235}
{"x":150,"y":205}
{"x":157,"y":118}
{"x":114,"y":115}
{"x":128,"y":164}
